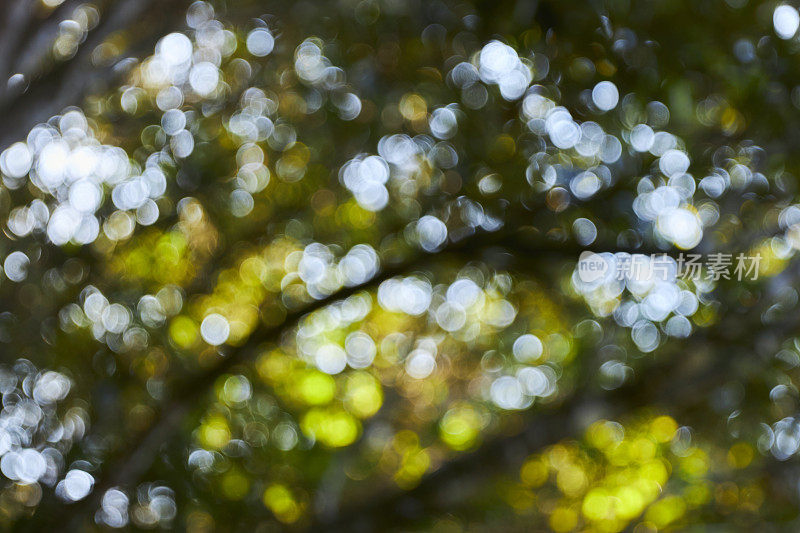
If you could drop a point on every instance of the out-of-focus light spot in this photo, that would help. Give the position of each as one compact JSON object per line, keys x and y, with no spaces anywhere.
{"x":348,"y":105}
{"x":359,"y":265}
{"x":786,"y":438}
{"x":563,"y":131}
{"x":52,"y":164}
{"x":199,"y":13}
{"x":585,"y":231}
{"x":215,"y":329}
{"x":443,"y":123}
{"x":506,"y":392}
{"x":16,"y":160}
{"x":420,"y":363}
{"x":241,"y":203}
{"x":408,"y":295}
{"x":432,"y":233}
{"x":673,"y":162}
{"x":113,"y":509}
{"x":642,"y":137}
{"x":610,"y":149}
{"x":182,"y":144}
{"x":75,"y":486}
{"x":744,"y":51}
{"x":500,"y":314}
{"x":786,"y":20}
{"x":260,"y":42}
{"x":175,"y":49}
{"x":278,"y":499}
{"x":316,"y":388}
{"x":499,"y":64}
{"x":236,"y":389}
{"x":284,"y":436}
{"x":116,"y":318}
{"x":26,"y":465}
{"x":169,"y":98}
{"x":372,"y":196}
{"x":464,"y":292}
{"x":214,"y":432}
{"x":684,"y":184}
{"x":16,"y":83}
{"x":314,"y":264}
{"x":173,"y":121}
{"x":605,"y":95}
{"x":460,"y":427}
{"x":147,"y":213}
{"x":16,"y":266}
{"x":360,"y":349}
{"x":678,"y":326}
{"x":204,"y":78}
{"x":645,"y":335}
{"x":537,"y":381}
{"x":51,"y":387}
{"x":365,"y":178}
{"x":85,"y":196}
{"x":451,"y":316}
{"x":331,"y":359}
{"x":527,"y":348}
{"x":363,"y":395}
{"x":681,"y":227}
{"x":585,"y":185}
{"x":334,"y":428}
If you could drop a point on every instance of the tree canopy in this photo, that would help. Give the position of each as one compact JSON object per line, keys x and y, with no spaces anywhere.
{"x":317,"y":265}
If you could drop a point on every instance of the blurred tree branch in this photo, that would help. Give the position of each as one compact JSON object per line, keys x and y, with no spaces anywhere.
{"x":127,"y":466}
{"x":68,"y":82}
{"x":682,"y":386}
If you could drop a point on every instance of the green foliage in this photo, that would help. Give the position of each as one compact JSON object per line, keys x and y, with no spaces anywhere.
{"x":319,"y":268}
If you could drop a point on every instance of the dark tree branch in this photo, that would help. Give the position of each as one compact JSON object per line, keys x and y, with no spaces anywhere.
{"x":17,"y":15}
{"x":29,"y":43}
